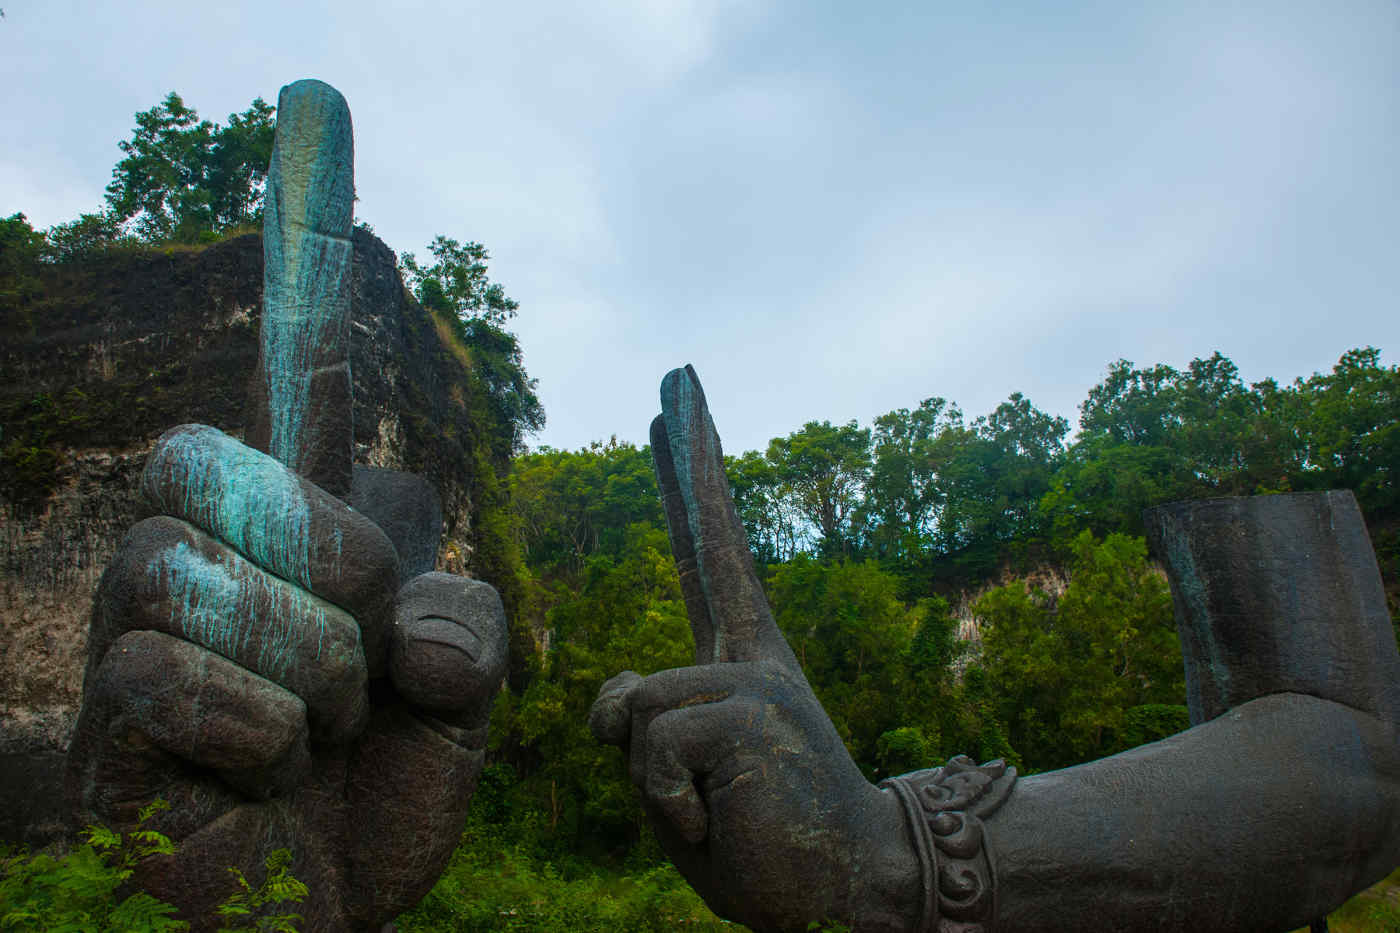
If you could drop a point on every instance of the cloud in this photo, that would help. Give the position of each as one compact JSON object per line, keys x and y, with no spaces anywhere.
{"x":831,"y":216}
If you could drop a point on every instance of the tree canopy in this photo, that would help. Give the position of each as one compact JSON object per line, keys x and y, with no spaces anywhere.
{"x":186,"y":179}
{"x":456,"y":283}
{"x":457,"y":290}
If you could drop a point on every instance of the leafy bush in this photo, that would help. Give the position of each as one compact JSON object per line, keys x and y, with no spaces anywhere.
{"x":78,"y":891}
{"x":251,"y":904}
{"x":492,"y":885}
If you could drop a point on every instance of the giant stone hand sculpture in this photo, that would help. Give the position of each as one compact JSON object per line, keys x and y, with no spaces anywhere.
{"x":1280,"y":802}
{"x":262,"y":655}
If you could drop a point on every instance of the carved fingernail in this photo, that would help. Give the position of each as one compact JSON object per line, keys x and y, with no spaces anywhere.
{"x":448,"y":633}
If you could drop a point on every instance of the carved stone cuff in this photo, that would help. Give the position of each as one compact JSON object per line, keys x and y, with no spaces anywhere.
{"x":945,"y":808}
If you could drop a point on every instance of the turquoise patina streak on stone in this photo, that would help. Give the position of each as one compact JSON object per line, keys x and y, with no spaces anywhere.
{"x":239,"y":616}
{"x":306,"y":281}
{"x":242,"y":496}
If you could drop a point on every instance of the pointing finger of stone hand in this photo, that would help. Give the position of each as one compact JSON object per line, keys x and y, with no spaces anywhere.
{"x":170,"y":577}
{"x":279,"y":521}
{"x":189,"y":703}
{"x":301,"y":412}
{"x":682,"y":543}
{"x":742,"y":625}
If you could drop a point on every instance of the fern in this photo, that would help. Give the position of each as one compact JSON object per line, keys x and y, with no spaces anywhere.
{"x":76,"y":893}
{"x":279,"y":887}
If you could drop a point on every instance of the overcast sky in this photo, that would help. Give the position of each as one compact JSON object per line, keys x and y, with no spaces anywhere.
{"x":832,"y":210}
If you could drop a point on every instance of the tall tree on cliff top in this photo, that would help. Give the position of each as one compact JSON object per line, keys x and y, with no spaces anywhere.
{"x":186,"y":179}
{"x":457,"y":288}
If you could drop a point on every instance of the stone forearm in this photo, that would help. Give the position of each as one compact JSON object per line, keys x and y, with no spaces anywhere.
{"x":1262,"y":819}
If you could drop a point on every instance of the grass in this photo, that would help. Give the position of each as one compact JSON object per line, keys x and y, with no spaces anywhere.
{"x":491,"y":886}
{"x":1375,"y":910}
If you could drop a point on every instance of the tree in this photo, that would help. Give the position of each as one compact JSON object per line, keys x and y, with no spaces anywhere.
{"x":1200,"y":418}
{"x":500,"y":367}
{"x":457,"y":283}
{"x":769,"y":519}
{"x":1157,"y":434}
{"x":1131,"y":405}
{"x":22,"y":248}
{"x":1103,"y":486}
{"x":458,"y":290}
{"x":1351,"y":429}
{"x":992,"y":475}
{"x":852,"y":635}
{"x":902,"y":496}
{"x":626,"y":612}
{"x":571,"y":505}
{"x":823,"y":469}
{"x":184,"y":178}
{"x":88,"y":234}
{"x":1067,"y":670}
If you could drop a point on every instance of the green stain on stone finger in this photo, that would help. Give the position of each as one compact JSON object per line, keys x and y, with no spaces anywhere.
{"x":249,"y":618}
{"x":243,"y":497}
{"x":307,"y":255}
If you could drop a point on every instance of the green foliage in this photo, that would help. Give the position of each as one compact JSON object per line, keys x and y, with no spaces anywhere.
{"x":1351,"y":432}
{"x":251,"y":907}
{"x":770,"y":519}
{"x":23,"y":254}
{"x":78,"y":891}
{"x":457,"y":283}
{"x":1070,"y":667}
{"x":32,"y":428}
{"x":494,"y":883}
{"x":939,"y":498}
{"x":1155,"y":435}
{"x":903,"y":494}
{"x":885,"y":671}
{"x":22,"y":249}
{"x":89,"y":234}
{"x":184,"y":179}
{"x":602,"y":596}
{"x":1152,"y":722}
{"x":905,"y":749}
{"x":924,"y":484}
{"x":992,"y":475}
{"x":822,"y":469}
{"x":456,"y":289}
{"x":626,"y":613}
{"x":570,"y":505}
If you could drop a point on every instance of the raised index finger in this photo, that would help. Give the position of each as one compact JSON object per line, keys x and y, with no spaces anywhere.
{"x":302,"y":404}
{"x":727,"y":608}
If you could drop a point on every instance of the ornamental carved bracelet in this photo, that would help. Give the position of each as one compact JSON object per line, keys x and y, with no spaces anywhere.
{"x":945,"y":808}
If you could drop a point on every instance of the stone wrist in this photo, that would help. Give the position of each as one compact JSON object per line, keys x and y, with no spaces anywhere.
{"x":945,"y":808}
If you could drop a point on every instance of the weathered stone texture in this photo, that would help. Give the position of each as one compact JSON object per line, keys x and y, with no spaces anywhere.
{"x":121,"y":349}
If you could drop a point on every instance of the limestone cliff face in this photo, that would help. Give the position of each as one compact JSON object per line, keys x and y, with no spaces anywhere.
{"x":118,"y":350}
